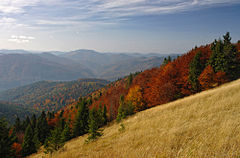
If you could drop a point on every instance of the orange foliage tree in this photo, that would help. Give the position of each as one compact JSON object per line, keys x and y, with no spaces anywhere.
{"x":206,"y":79}
{"x":18,"y":148}
{"x":135,"y":98}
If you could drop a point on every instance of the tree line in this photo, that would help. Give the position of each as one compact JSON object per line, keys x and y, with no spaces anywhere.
{"x":27,"y":136}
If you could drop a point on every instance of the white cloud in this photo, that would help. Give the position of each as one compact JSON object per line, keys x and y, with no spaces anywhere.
{"x":16,"y":6}
{"x":21,"y":39}
{"x":91,"y":12}
{"x":123,"y":8}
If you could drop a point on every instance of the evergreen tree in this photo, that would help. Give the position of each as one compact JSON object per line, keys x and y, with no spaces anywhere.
{"x":28,"y":146}
{"x":61,"y":123}
{"x":26,"y":123}
{"x":43,"y":128}
{"x":100,"y":118}
{"x":224,"y":57}
{"x":121,"y":112}
{"x":104,"y":115}
{"x":124,"y":109}
{"x":54,"y":141}
{"x":17,"y":125}
{"x":66,"y":133}
{"x":94,"y":131}
{"x":6,"y":141}
{"x":166,"y":61}
{"x":80,"y":126}
{"x":33,"y":121}
{"x":36,"y":141}
{"x":129,"y":80}
{"x":195,"y":69}
{"x":233,"y":66}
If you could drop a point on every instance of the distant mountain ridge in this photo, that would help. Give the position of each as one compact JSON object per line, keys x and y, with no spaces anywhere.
{"x":20,"y":67}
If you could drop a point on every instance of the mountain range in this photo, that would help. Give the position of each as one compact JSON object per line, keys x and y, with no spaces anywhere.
{"x":20,"y":67}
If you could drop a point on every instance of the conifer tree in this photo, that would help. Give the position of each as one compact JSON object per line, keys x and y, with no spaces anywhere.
{"x":36,"y":141}
{"x":6,"y":141}
{"x":124,"y":109}
{"x":28,"y":146}
{"x":61,"y":123}
{"x":43,"y":128}
{"x":233,"y":66}
{"x":33,"y":121}
{"x":129,"y":80}
{"x":54,"y":141}
{"x":195,"y":69}
{"x":80,"y":126}
{"x":166,"y":61}
{"x":26,"y":123}
{"x":100,"y":118}
{"x":104,"y":115}
{"x":224,"y":57}
{"x":66,"y":133}
{"x":17,"y":125}
{"x":94,"y":131}
{"x":121,"y":112}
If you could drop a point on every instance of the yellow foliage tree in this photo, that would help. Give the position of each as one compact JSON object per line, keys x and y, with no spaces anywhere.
{"x":135,"y":98}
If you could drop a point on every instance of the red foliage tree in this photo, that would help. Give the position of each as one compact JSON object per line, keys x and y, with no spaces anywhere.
{"x":206,"y":79}
{"x":18,"y":148}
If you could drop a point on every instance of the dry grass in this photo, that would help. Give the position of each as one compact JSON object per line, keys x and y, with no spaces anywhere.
{"x":203,"y":125}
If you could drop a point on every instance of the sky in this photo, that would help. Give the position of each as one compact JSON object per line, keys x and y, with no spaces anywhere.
{"x":144,"y":26}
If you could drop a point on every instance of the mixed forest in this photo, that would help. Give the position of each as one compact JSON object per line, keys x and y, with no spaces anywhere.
{"x":200,"y":69}
{"x":45,"y":96}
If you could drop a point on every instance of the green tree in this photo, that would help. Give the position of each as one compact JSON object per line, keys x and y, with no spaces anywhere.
{"x":233,"y":66}
{"x":66,"y":133}
{"x":54,"y":141}
{"x":43,"y":128}
{"x":166,"y":61}
{"x":28,"y":146}
{"x":17,"y":125}
{"x":33,"y":121}
{"x":80,"y":126}
{"x":94,"y":131}
{"x":25,"y":123}
{"x":36,"y":141}
{"x":195,"y":69}
{"x":124,"y":109}
{"x":6,"y":141}
{"x":129,"y":80}
{"x":224,"y":57}
{"x":104,"y":115}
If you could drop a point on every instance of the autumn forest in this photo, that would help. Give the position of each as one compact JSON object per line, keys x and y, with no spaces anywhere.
{"x":76,"y":113}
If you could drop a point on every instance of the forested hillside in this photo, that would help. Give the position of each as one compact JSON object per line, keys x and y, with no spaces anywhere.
{"x":10,"y":111}
{"x":203,"y":125}
{"x":200,"y":69}
{"x":50,"y":95}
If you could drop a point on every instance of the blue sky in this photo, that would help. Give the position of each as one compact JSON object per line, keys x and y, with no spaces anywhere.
{"x":160,"y":26}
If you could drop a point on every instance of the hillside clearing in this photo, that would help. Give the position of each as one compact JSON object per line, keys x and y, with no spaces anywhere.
{"x":203,"y":125}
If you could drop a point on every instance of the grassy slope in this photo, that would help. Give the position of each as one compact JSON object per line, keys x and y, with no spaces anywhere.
{"x":203,"y":125}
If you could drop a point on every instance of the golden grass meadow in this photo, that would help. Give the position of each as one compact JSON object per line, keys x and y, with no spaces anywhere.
{"x":203,"y":125}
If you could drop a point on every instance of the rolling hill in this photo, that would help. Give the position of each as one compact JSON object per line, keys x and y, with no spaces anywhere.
{"x":10,"y":111}
{"x":20,"y":67}
{"x":50,"y":95}
{"x":202,"y":125}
